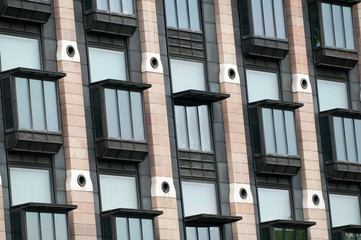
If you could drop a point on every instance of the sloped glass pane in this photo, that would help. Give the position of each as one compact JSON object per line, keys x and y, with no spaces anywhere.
{"x":193,"y":128}
{"x":261,"y":85}
{"x":111,"y":109}
{"x":187,"y":75}
{"x":126,"y":127}
{"x":257,"y":17}
{"x":274,"y":204}
{"x":181,"y":127}
{"x":122,"y":228}
{"x":182,"y":10}
{"x":51,"y":106}
{"x":37,"y":104}
{"x":291,"y":133}
{"x":194,"y":15}
{"x":23,"y":103}
{"x":327,"y":24}
{"x":147,"y":229}
{"x":118,"y":192}
{"x":32,"y":226}
{"x":170,"y":13}
{"x":106,"y":64}
{"x":47,"y":226}
{"x":345,"y":210}
{"x":337,"y":19}
{"x":135,"y":229}
{"x":350,"y":140}
{"x":348,"y":24}
{"x":280,"y":131}
{"x":339,"y":139}
{"x":199,"y":198}
{"x":205,"y":128}
{"x":331,"y":95}
{"x":128,"y":8}
{"x":61,"y":226}
{"x":30,"y":185}
{"x":137,"y":115}
{"x":268,"y":18}
{"x":280,"y":19}
{"x":268,"y":129}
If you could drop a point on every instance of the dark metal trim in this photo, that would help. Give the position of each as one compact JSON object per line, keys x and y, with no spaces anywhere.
{"x":43,"y":207}
{"x":339,"y":2}
{"x":348,"y":228}
{"x":274,"y":104}
{"x":344,"y":171}
{"x":208,"y":220}
{"x":340,"y":112}
{"x":276,"y":164}
{"x":120,"y":84}
{"x":33,"y":73}
{"x":133,"y":213}
{"x":196,"y":97}
{"x":265,"y":47}
{"x":288,"y":224}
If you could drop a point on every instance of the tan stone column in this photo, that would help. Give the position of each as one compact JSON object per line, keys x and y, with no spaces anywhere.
{"x":234,"y":125}
{"x":357,"y":22}
{"x":305,"y":122}
{"x":81,"y":220}
{"x":2,"y":213}
{"x":166,"y":225}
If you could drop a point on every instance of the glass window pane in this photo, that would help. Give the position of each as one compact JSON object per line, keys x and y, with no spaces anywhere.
{"x":122,"y":228}
{"x":128,"y":7}
{"x":137,"y":115}
{"x":291,"y":133}
{"x":32,"y":226}
{"x":279,"y":234}
{"x":205,"y":128}
{"x":194,"y":15}
{"x":332,"y":95}
{"x":135,"y":229}
{"x":106,"y":64}
{"x":274,"y":204}
{"x":147,"y":229}
{"x":118,"y":192}
{"x":203,"y":233}
{"x":47,"y":226}
{"x":337,"y":19}
{"x":280,"y":131}
{"x":215,"y":233}
{"x":345,"y":210}
{"x":327,"y":24}
{"x":187,"y":75}
{"x":19,"y":52}
{"x":280,"y":19}
{"x":199,"y":198}
{"x":193,"y":128}
{"x":171,"y":15}
{"x":111,"y":109}
{"x":348,"y":24}
{"x":115,"y":6}
{"x":191,"y":233}
{"x":350,"y":140}
{"x":290,"y":234}
{"x":268,"y":18}
{"x":358,"y":138}
{"x":61,"y":226}
{"x":181,"y":127}
{"x":37,"y":104}
{"x":301,"y":234}
{"x":23,"y":103}
{"x":261,"y":85}
{"x":339,"y":139}
{"x":125,"y":114}
{"x":102,"y":5}
{"x":182,"y":11}
{"x":51,"y":106}
{"x":268,"y":129}
{"x":30,"y":185}
{"x":257,"y":17}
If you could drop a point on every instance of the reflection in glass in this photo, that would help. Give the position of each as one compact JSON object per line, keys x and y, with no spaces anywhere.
{"x":269,"y":136}
{"x":193,"y":128}
{"x":111,"y":108}
{"x":257,"y":17}
{"x":339,"y":139}
{"x":261,"y":85}
{"x":274,"y":204}
{"x":187,"y":75}
{"x":327,"y":24}
{"x":337,"y":19}
{"x":181,"y":127}
{"x":182,"y":11}
{"x":23,"y":103}
{"x":345,"y":210}
{"x":268,"y":18}
{"x":280,"y":131}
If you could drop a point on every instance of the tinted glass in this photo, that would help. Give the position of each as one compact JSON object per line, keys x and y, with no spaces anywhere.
{"x":280,"y":131}
{"x":182,"y":10}
{"x":125,"y":115}
{"x":327,"y":24}
{"x":61,"y":226}
{"x":37,"y":104}
{"x":257,"y":17}
{"x":332,"y":95}
{"x":194,"y":15}
{"x":32,"y":226}
{"x":214,"y":232}
{"x":199,"y":198}
{"x":47,"y":226}
{"x":350,"y":140}
{"x":19,"y":52}
{"x":170,"y":11}
{"x":122,"y":228}
{"x":137,"y":115}
{"x":118,"y":192}
{"x":205,"y":128}
{"x":203,"y":233}
{"x":30,"y":185}
{"x":193,"y":128}
{"x":268,"y":18}
{"x":128,"y":7}
{"x":111,"y":108}
{"x":102,"y":5}
{"x":181,"y":127}
{"x":135,"y":229}
{"x":348,"y":25}
{"x":339,"y":138}
{"x":261,"y":85}
{"x":345,"y":210}
{"x":51,"y":106}
{"x":187,"y":75}
{"x":274,"y":204}
{"x":337,"y":19}
{"x":269,"y":135}
{"x":23,"y":103}
{"x":106,"y":64}
{"x":191,"y":233}
{"x":291,"y":133}
{"x":147,"y":229}
{"x":115,"y":6}
{"x":358,"y":138}
{"x":279,"y":19}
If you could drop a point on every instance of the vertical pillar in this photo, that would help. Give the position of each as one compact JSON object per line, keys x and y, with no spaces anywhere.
{"x":166,"y":225}
{"x":305,"y":122}
{"x":2,"y":213}
{"x":357,"y":23}
{"x":234,"y":129}
{"x":81,"y":220}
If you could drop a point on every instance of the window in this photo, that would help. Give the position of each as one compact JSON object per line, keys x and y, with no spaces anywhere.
{"x":116,"y":6}
{"x":274,"y":204}
{"x":187,"y":75}
{"x":345,"y":210}
{"x":107,"y":64}
{"x":192,"y":127}
{"x":183,"y":14}
{"x":338,"y":26}
{"x":262,"y":85}
{"x":332,"y":95}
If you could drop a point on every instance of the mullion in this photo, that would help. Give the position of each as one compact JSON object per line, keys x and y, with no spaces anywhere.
{"x":45,"y":118}
{"x":176,"y":11}
{"x":274,"y":18}
{"x":118,"y":114}
{"x":128,"y":225}
{"x":344,"y":29}
{"x":262,"y":16}
{"x":131,"y":114}
{"x":344,"y":139}
{"x":354,"y":137}
{"x":121,"y":6}
{"x":285,"y":128}
{"x":274,"y":131}
{"x":333,"y":26}
{"x":30,"y":105}
{"x":186,"y":126}
{"x":199,"y":130}
{"x":188,"y":15}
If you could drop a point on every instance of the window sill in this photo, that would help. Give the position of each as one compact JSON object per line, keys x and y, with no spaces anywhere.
{"x":196,"y":98}
{"x":276,"y":164}
{"x":31,"y":11}
{"x":265,"y":47}
{"x":209,"y":220}
{"x":333,"y":57}
{"x":105,"y":22}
